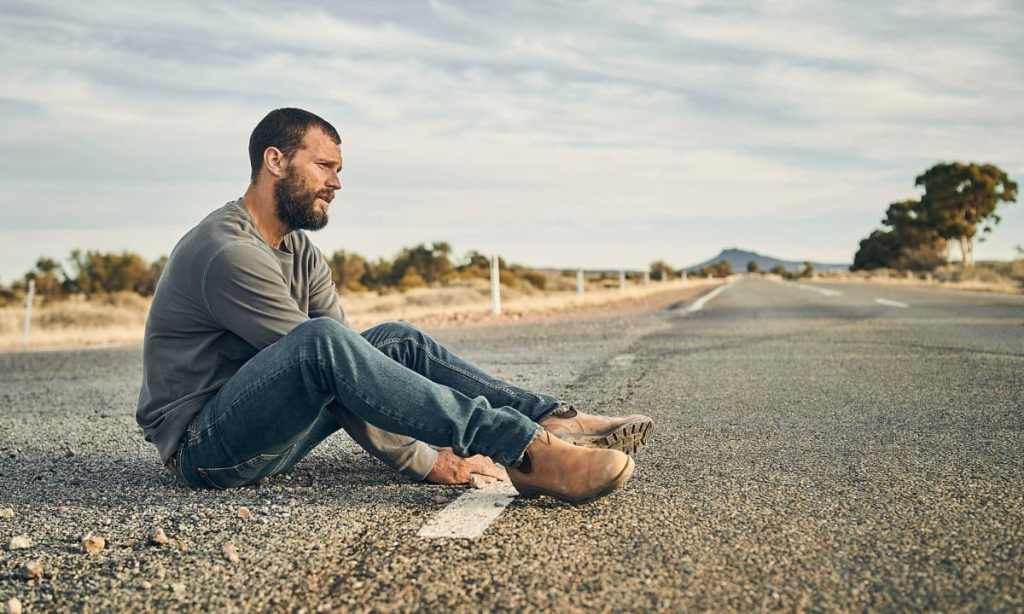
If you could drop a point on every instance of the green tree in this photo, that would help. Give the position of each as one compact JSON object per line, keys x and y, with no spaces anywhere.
{"x":97,"y":272}
{"x":411,"y":279}
{"x":156,"y":269}
{"x":475,"y":264}
{"x":536,"y":279}
{"x":778,"y":269}
{"x":920,"y":246}
{"x":958,"y":198}
{"x":48,"y":274}
{"x":475,"y":259}
{"x":432,"y":263}
{"x":378,"y":274}
{"x":348,"y":270}
{"x":661,"y":270}
{"x":911,"y":242}
{"x":722,"y":268}
{"x":881,"y":249}
{"x":807,"y":270}
{"x":752,"y":267}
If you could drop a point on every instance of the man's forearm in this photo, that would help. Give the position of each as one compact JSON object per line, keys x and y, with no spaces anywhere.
{"x":410,"y":457}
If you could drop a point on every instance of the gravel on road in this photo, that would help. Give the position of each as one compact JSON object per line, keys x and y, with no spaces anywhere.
{"x":810,"y":453}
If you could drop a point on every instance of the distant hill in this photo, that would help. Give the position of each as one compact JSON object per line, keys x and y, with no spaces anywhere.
{"x":739,"y":258}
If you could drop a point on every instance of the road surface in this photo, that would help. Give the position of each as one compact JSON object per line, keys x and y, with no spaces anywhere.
{"x":818,"y":447}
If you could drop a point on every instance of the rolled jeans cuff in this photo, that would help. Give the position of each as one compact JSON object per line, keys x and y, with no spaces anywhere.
{"x":557,"y":405}
{"x":517,"y":447}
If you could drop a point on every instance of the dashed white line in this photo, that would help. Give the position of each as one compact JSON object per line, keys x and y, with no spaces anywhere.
{"x":698,"y":304}
{"x":622,"y":360}
{"x":823,"y":291}
{"x":469,"y":516}
{"x":887,"y":302}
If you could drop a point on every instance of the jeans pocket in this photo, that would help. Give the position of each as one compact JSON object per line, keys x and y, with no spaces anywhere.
{"x":246,"y":472}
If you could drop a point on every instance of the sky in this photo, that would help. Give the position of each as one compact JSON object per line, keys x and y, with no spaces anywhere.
{"x":592,"y":135}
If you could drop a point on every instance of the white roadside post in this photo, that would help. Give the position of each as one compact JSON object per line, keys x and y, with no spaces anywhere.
{"x":495,"y":286}
{"x":28,"y":310}
{"x":622,"y":280}
{"x":579,"y":282}
{"x":647,"y":277}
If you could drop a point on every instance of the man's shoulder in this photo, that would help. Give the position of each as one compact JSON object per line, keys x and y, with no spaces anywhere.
{"x":227,"y":222}
{"x":224,"y":228}
{"x":224,"y":237}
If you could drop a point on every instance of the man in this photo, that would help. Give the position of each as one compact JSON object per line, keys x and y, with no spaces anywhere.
{"x":248,"y":362}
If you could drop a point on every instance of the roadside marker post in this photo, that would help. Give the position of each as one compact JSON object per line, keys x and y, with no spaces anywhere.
{"x":647,"y":277}
{"x":622,"y":280}
{"x":28,"y":311}
{"x":495,"y":286}
{"x":579,"y":281}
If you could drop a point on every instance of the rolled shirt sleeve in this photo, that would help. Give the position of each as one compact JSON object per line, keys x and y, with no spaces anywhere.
{"x":410,"y":457}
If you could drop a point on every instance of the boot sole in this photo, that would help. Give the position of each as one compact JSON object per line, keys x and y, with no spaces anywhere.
{"x":627,"y":438}
{"x":615,"y":484}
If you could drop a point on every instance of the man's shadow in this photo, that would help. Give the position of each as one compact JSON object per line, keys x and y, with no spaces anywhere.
{"x":33,"y":477}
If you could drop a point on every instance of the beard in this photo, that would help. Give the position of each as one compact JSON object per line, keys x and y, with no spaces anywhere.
{"x":296,"y":205}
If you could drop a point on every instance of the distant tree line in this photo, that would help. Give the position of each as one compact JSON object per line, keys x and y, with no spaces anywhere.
{"x":959,"y":200}
{"x":806,"y":270}
{"x":660,"y":270}
{"x":424,"y":265}
{"x":90,"y":273}
{"x":722,"y":268}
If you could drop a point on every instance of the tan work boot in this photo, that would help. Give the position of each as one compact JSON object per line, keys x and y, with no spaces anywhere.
{"x":567,"y":472}
{"x":626,"y":433}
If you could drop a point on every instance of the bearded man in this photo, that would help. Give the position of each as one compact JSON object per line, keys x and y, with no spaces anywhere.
{"x":249,"y":363}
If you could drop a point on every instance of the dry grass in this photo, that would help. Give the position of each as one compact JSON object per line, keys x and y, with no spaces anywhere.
{"x":1002,"y":277}
{"x":76,"y":322}
{"x":121,"y":319}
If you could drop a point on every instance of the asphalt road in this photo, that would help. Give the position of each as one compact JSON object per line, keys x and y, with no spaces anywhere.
{"x":815,"y":449}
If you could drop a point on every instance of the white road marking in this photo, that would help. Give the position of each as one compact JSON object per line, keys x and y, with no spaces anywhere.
{"x":698,"y":304}
{"x":469,"y":516}
{"x":882,"y":301}
{"x":622,"y":360}
{"x":824,"y":291}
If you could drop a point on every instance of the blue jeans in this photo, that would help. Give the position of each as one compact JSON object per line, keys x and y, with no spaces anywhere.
{"x":322,"y":376}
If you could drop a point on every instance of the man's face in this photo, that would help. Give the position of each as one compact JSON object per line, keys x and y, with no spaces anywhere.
{"x":306,"y":190}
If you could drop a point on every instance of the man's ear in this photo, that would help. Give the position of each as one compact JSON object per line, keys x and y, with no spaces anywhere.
{"x":275,"y":161}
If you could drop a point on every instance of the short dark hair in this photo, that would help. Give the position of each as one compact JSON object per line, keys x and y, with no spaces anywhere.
{"x":284,"y":129}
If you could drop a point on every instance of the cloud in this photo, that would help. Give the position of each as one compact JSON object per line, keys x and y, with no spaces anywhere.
{"x":507,"y":124}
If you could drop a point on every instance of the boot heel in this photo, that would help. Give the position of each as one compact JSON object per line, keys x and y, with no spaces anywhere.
{"x":529,"y":493}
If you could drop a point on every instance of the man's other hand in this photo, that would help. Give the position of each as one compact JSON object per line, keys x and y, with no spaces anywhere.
{"x":450,"y":468}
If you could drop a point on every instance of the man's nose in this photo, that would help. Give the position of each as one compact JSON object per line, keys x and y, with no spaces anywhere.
{"x":334,"y":182}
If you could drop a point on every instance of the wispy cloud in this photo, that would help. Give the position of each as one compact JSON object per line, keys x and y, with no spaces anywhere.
{"x":555,"y":133}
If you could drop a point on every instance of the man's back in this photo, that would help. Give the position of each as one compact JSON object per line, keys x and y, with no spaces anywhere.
{"x":223,"y":295}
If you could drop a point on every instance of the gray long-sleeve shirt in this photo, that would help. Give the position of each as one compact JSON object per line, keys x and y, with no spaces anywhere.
{"x":224,"y":295}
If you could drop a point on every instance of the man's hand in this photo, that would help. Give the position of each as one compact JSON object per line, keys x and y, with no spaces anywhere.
{"x":449,"y":468}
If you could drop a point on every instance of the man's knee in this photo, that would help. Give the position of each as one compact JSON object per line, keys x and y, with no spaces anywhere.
{"x":395,"y":329}
{"x":320,"y":327}
{"x":317,"y":330}
{"x":326,"y":338}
